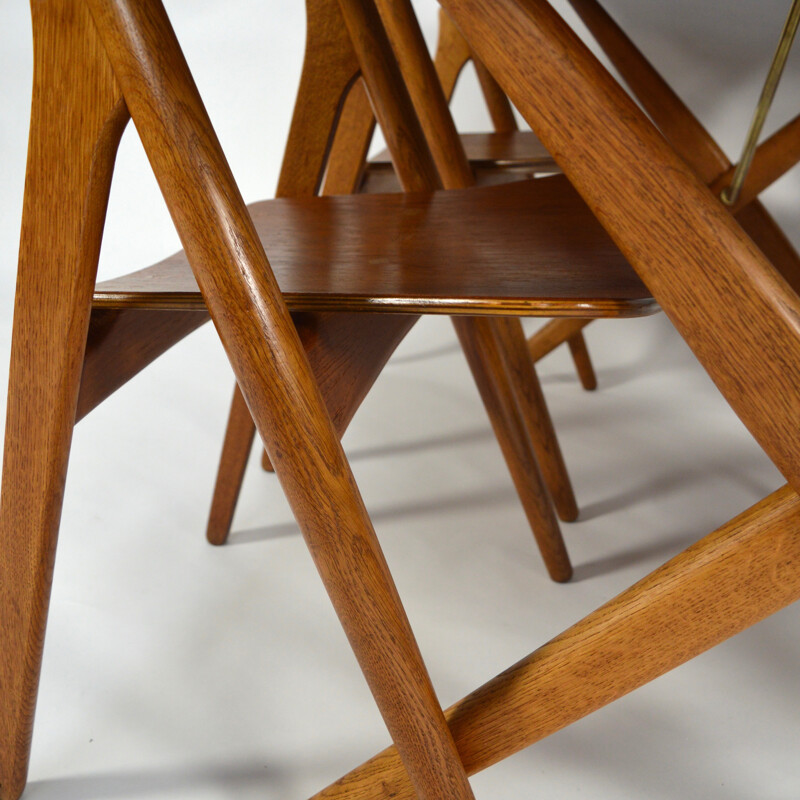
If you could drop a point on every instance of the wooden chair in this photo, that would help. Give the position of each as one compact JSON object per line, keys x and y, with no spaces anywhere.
{"x":327,"y":146}
{"x":738,"y":313}
{"x":74,"y":343}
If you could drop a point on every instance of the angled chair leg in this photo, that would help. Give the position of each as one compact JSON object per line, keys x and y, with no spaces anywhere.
{"x":568,"y":330}
{"x":348,"y":156}
{"x":480,"y":342}
{"x":276,"y":379}
{"x":239,"y":435}
{"x":536,"y":417}
{"x":583,"y":364}
{"x":75,"y":128}
{"x":726,"y":582}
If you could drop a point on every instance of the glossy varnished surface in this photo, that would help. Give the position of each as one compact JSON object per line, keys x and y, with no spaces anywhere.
{"x":526,"y":248}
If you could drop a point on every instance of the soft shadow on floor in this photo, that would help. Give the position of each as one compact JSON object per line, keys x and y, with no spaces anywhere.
{"x":438,"y":505}
{"x":629,"y":557}
{"x":231,"y":779}
{"x":418,"y":445}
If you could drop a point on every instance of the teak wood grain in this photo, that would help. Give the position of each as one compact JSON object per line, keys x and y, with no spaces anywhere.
{"x":530,"y":248}
{"x":513,"y":150}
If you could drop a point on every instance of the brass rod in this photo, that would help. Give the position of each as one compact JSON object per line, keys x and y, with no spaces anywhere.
{"x":731,"y":193}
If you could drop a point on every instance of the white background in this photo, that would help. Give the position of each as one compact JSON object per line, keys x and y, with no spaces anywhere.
{"x":173,"y":669}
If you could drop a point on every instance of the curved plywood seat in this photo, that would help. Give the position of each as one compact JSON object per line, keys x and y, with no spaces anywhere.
{"x":529,"y":248}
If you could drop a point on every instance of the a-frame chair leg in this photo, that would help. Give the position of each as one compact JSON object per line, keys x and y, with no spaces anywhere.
{"x":536,"y":417}
{"x":239,"y":435}
{"x":276,"y":379}
{"x":731,"y":579}
{"x":75,"y":128}
{"x":484,"y":353}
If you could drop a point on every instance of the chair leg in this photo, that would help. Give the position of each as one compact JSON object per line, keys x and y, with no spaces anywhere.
{"x":726,"y":582}
{"x":76,"y":121}
{"x":536,"y":417}
{"x":583,"y":364}
{"x":236,"y":448}
{"x":483,"y":351}
{"x":276,"y":379}
{"x":553,"y":334}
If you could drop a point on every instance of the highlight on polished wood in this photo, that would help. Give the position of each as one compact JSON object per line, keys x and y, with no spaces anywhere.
{"x":530,"y":248}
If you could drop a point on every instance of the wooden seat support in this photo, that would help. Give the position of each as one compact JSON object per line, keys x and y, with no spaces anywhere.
{"x":531,"y":248}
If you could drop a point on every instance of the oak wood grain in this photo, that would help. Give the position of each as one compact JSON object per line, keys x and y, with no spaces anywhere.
{"x":729,"y":580}
{"x":77,"y":118}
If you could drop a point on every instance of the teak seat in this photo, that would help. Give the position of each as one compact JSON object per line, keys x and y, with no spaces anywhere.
{"x":511,"y":151}
{"x":530,"y":248}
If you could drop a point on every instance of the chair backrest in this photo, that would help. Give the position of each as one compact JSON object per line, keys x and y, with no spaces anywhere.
{"x":738,"y":314}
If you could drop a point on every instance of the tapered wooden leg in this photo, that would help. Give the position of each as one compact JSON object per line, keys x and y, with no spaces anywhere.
{"x":76,"y":122}
{"x":536,"y":417}
{"x":236,"y":448}
{"x":731,"y":579}
{"x":483,"y":351}
{"x":583,"y":364}
{"x":275,"y":376}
